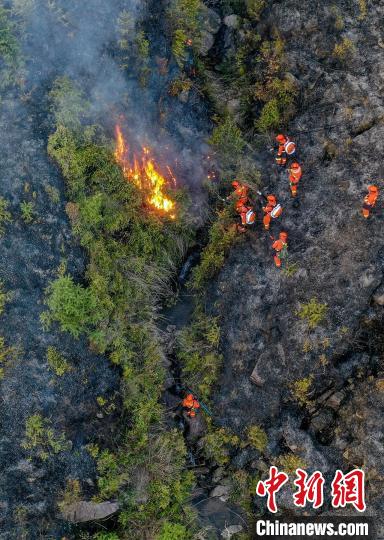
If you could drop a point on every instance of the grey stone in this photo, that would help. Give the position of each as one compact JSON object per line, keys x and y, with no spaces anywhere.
{"x":231,"y":530}
{"x":232,"y":21}
{"x":84,"y":511}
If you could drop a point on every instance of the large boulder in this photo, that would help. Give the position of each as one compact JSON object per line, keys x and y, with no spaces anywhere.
{"x":84,"y":511}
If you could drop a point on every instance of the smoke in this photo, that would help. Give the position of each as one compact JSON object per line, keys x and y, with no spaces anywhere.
{"x":78,"y":39}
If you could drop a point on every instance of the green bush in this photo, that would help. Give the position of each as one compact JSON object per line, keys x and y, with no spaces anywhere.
{"x":198,"y":352}
{"x":344,"y":49}
{"x":5,"y":216}
{"x":4,"y":297}
{"x":74,"y":307}
{"x":11,"y":59}
{"x":313,"y":312}
{"x":222,"y":236}
{"x":228,"y":143}
{"x":68,"y":103}
{"x":218,"y":444}
{"x":290,"y":462}
{"x":40,"y":436}
{"x":255,"y":8}
{"x":269,"y":117}
{"x":173,"y":531}
{"x":28,"y":211}
{"x":184,"y":20}
{"x":257,"y":438}
{"x":57,"y":362}
{"x":301,"y":390}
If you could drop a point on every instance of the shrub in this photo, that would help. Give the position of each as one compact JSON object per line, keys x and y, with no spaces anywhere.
{"x":222,"y":236}
{"x":57,"y":362}
{"x":5,"y":216}
{"x":269,"y":117}
{"x":344,"y":49}
{"x":68,"y":103}
{"x":53,"y":194}
{"x":301,"y":390}
{"x":173,"y":531}
{"x":198,"y":352}
{"x":313,"y":312}
{"x":218,"y":444}
{"x":41,"y":437}
{"x":4,"y":297}
{"x":255,"y":8}
{"x":228,"y":142}
{"x":257,"y":438}
{"x":11,"y":60}
{"x":290,"y":462}
{"x":7,"y":354}
{"x":183,"y":18}
{"x":27,"y":211}
{"x":74,"y":307}
{"x":363,"y":9}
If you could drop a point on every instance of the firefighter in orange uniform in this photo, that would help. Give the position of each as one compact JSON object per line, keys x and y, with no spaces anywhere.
{"x":240,"y":193}
{"x":191,"y":405}
{"x":295,"y":174}
{"x":370,"y":200}
{"x":281,"y":248}
{"x":272,"y":210}
{"x":247,"y":215}
{"x":286,"y":148}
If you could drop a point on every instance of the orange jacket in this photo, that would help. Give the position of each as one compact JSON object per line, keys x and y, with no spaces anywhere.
{"x":295,"y":175}
{"x":241,"y":192}
{"x":279,"y":245}
{"x":371,"y":199}
{"x":247,"y":214}
{"x":189,"y":402}
{"x":287,"y":146}
{"x":270,"y":206}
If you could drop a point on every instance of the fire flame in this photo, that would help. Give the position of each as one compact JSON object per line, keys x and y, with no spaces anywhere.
{"x":144,"y":174}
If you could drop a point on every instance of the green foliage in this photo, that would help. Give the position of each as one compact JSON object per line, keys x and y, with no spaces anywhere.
{"x":257,"y":438}
{"x":105,"y":536}
{"x":53,"y":194}
{"x":132,"y":254}
{"x":28,"y":211}
{"x":228,"y":143}
{"x":57,"y":362}
{"x":301,"y":390}
{"x":222,"y":236}
{"x":290,"y":269}
{"x":339,"y":21}
{"x":363,"y":8}
{"x":344,"y":49}
{"x":11,"y":60}
{"x":71,"y":494}
{"x":269,"y":117}
{"x":255,"y":8}
{"x":68,"y":103}
{"x":313,"y":312}
{"x":183,"y":19}
{"x":5,"y":215}
{"x":218,"y":444}
{"x":4,"y":297}
{"x":173,"y":531}
{"x":7,"y":354}
{"x":290,"y":462}
{"x":40,"y":436}
{"x":198,"y":352}
{"x":74,"y":307}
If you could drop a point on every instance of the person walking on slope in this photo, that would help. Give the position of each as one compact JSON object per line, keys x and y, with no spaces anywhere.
{"x":295,"y":174}
{"x":281,"y":248}
{"x":286,"y":148}
{"x":370,"y":200}
{"x":191,"y":405}
{"x":272,"y":210}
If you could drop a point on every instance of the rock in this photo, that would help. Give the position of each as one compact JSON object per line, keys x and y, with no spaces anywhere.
{"x":210,"y":20}
{"x":232,"y":21}
{"x":218,"y":475}
{"x":184,"y":95}
{"x":84,"y":511}
{"x":222,"y":492}
{"x":378,"y":297}
{"x":229,"y":531}
{"x":197,"y":427}
{"x":335,"y":400}
{"x":207,"y":41}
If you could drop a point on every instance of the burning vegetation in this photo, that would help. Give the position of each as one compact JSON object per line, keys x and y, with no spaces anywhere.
{"x":145,"y":174}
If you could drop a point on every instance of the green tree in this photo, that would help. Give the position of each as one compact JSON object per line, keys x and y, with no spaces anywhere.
{"x":74,"y":307}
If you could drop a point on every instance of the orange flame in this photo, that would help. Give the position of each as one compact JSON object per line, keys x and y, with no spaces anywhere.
{"x":144,"y":174}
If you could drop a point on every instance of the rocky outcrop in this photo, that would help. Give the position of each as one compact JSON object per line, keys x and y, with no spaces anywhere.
{"x":84,"y":511}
